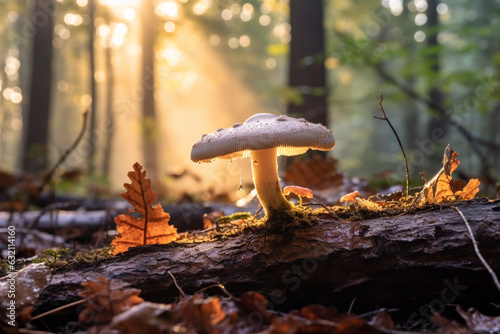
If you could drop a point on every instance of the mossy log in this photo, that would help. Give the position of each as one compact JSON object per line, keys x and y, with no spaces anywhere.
{"x":424,"y":258}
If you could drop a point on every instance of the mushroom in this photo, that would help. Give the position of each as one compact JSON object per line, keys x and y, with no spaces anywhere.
{"x":264,"y":137}
{"x":299,"y":191}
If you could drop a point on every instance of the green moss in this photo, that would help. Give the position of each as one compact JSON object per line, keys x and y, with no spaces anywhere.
{"x":52,"y":257}
{"x":283,"y":220}
{"x":4,"y":267}
{"x":93,"y":256}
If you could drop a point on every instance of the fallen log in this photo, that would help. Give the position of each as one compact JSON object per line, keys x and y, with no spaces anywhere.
{"x":404,"y":262}
{"x":184,"y":216}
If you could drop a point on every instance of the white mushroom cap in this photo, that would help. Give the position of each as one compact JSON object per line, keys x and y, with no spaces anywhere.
{"x":289,"y":135}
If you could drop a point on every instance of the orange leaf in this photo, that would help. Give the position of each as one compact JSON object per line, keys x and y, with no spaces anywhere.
{"x":152,"y":226}
{"x":202,"y":314}
{"x":315,"y":172}
{"x":105,"y":299}
{"x":440,"y":188}
{"x":469,"y":191}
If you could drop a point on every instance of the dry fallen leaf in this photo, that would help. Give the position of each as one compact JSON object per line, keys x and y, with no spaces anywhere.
{"x":448,"y":326}
{"x":105,"y":299}
{"x":201,"y":314}
{"x":382,"y":321}
{"x":479,"y":323}
{"x":441,"y":188}
{"x":469,"y":191}
{"x":146,"y":317}
{"x":152,"y":226}
{"x":315,"y":172}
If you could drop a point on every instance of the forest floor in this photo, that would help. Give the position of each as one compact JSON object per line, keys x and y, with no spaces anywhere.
{"x":379,"y":263}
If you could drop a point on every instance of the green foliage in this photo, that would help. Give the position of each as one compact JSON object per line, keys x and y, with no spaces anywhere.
{"x":52,"y":257}
{"x":93,"y":185}
{"x":4,"y":267}
{"x":370,"y":43}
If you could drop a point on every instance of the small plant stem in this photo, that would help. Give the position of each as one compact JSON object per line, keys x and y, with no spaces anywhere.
{"x":220,"y":286}
{"x":476,"y":248}
{"x":324,"y":207}
{"x":182,"y":294}
{"x":397,"y":137}
{"x":78,"y":302}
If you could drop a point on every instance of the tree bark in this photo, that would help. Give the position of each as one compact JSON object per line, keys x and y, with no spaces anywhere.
{"x":37,"y":130}
{"x":403,"y":262}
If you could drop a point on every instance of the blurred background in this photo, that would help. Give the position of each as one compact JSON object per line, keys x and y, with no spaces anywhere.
{"x":158,"y":74}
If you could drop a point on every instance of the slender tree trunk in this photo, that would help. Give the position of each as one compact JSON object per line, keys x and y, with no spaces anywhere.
{"x":411,"y":112}
{"x":109,"y":114}
{"x":3,"y":128}
{"x":149,"y":127}
{"x":93,"y":115}
{"x":307,"y":69}
{"x":436,"y":123}
{"x":37,"y":130}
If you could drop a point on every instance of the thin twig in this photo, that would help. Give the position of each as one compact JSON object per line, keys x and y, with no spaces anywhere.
{"x":78,"y":302}
{"x":476,"y":248}
{"x":260,"y":209}
{"x":177,"y":285}
{"x":31,"y":331}
{"x":352,"y":305}
{"x":50,"y":174}
{"x":324,"y":207}
{"x":375,"y":312}
{"x":397,"y":137}
{"x":222,"y":287}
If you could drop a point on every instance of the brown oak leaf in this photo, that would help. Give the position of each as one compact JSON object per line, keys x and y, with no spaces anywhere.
{"x":441,"y":188}
{"x":106,"y":298}
{"x":152,"y":226}
{"x":469,"y":191}
{"x":479,"y":323}
{"x":315,"y":173}
{"x":201,"y":314}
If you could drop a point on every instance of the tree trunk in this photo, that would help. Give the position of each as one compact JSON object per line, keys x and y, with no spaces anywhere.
{"x":436,"y":123}
{"x":149,"y":126}
{"x":411,"y":116}
{"x":93,"y":115}
{"x":37,"y":130}
{"x":307,"y":54}
{"x":402,"y":262}
{"x":110,"y":123}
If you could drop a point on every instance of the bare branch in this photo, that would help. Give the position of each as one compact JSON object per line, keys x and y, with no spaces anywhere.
{"x":397,"y":137}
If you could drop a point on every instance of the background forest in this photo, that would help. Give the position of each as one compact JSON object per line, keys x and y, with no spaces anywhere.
{"x":156,"y":75}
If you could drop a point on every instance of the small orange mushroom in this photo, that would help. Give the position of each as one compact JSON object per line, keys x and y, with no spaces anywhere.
{"x":299,"y":191}
{"x":351,"y":197}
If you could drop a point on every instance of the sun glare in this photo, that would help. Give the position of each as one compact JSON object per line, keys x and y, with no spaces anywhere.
{"x":167,"y":9}
{"x":201,"y":7}
{"x":120,"y":3}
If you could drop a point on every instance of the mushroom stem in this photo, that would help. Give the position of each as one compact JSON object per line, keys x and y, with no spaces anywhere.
{"x":266,"y":180}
